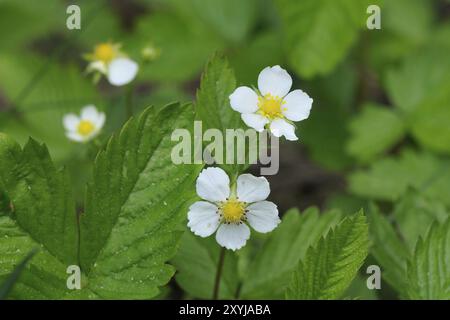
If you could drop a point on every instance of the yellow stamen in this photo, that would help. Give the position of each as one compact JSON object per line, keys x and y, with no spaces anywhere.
{"x":104,"y":52}
{"x":85,"y":127}
{"x":233,"y":211}
{"x":270,"y":106}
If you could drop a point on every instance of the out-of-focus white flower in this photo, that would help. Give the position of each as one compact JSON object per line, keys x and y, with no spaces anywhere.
{"x":85,"y":127}
{"x":229,"y":209}
{"x":272,"y":105}
{"x":108,"y":60}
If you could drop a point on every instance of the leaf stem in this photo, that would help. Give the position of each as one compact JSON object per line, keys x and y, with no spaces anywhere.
{"x":219,"y":274}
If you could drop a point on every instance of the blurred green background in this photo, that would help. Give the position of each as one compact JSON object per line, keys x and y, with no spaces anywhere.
{"x":379,"y":130}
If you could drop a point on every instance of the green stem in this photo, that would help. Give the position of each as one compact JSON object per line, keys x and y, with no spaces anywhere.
{"x":219,"y":274}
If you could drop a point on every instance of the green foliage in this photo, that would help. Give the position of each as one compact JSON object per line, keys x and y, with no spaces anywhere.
{"x":8,"y":284}
{"x":134,"y":199}
{"x":388,"y":179}
{"x":420,"y":88}
{"x":131,"y":223}
{"x":428,"y":272}
{"x":389,"y":250}
{"x":42,"y":216}
{"x":327,"y":269}
{"x":270,"y":269}
{"x":196,"y":262}
{"x":320,"y":39}
{"x":374,"y":130}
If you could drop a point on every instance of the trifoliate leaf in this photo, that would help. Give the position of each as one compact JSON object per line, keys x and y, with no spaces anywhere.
{"x":389,"y":250}
{"x":328,"y":268}
{"x":270,"y":270}
{"x":318,"y":33}
{"x":196,"y":263}
{"x":428,"y":271}
{"x":42,"y":215}
{"x":374,"y":130}
{"x":134,"y":207}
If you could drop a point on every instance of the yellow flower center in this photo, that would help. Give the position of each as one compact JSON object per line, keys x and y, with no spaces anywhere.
{"x":104,"y":52}
{"x":85,"y":127}
{"x":270,"y":106}
{"x":233,"y":211}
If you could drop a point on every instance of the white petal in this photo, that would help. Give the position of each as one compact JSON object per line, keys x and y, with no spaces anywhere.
{"x":275,"y":81}
{"x":297,"y":105}
{"x":263,"y":216}
{"x":255,"y":121}
{"x":244,"y":100}
{"x":70,"y":122}
{"x":89,"y":113}
{"x":203,"y":219}
{"x":75,"y":136}
{"x":233,"y":236}
{"x":122,"y":71}
{"x":251,"y":188}
{"x":100,"y":121}
{"x":213,"y":184}
{"x":280,"y":127}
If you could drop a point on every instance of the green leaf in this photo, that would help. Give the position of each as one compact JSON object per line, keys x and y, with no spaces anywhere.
{"x":318,"y":33}
{"x":270,"y":270}
{"x":415,"y":213}
{"x":213,"y":103}
{"x":135,"y":206}
{"x":388,"y":179}
{"x":389,"y":250}
{"x":374,"y":130}
{"x":328,"y":268}
{"x":42,"y":215}
{"x":230,"y":19}
{"x":428,"y":271}
{"x":214,"y":110}
{"x":196,"y":263}
{"x":8,"y":284}
{"x":420,"y":87}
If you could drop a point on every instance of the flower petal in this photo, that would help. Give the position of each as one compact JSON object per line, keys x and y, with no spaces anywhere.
{"x":122,"y":71}
{"x":297,"y":105}
{"x":100,"y":121}
{"x":255,"y":121}
{"x":280,"y":127}
{"x":75,"y":136}
{"x":89,"y":113}
{"x":213,"y":184}
{"x":233,"y":236}
{"x":275,"y":81}
{"x":203,"y":219}
{"x":99,"y":66}
{"x":263,"y":216}
{"x":70,"y":122}
{"x":244,"y":100}
{"x":251,"y":188}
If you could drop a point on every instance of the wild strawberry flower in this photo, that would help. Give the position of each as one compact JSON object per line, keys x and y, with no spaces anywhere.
{"x":272,"y":106}
{"x":229,"y":209}
{"x":108,"y":60}
{"x":85,"y":127}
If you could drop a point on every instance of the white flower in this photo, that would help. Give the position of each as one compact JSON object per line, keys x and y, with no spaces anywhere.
{"x":107,"y":59}
{"x":85,"y":127}
{"x":272,"y":106}
{"x":228,"y":210}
